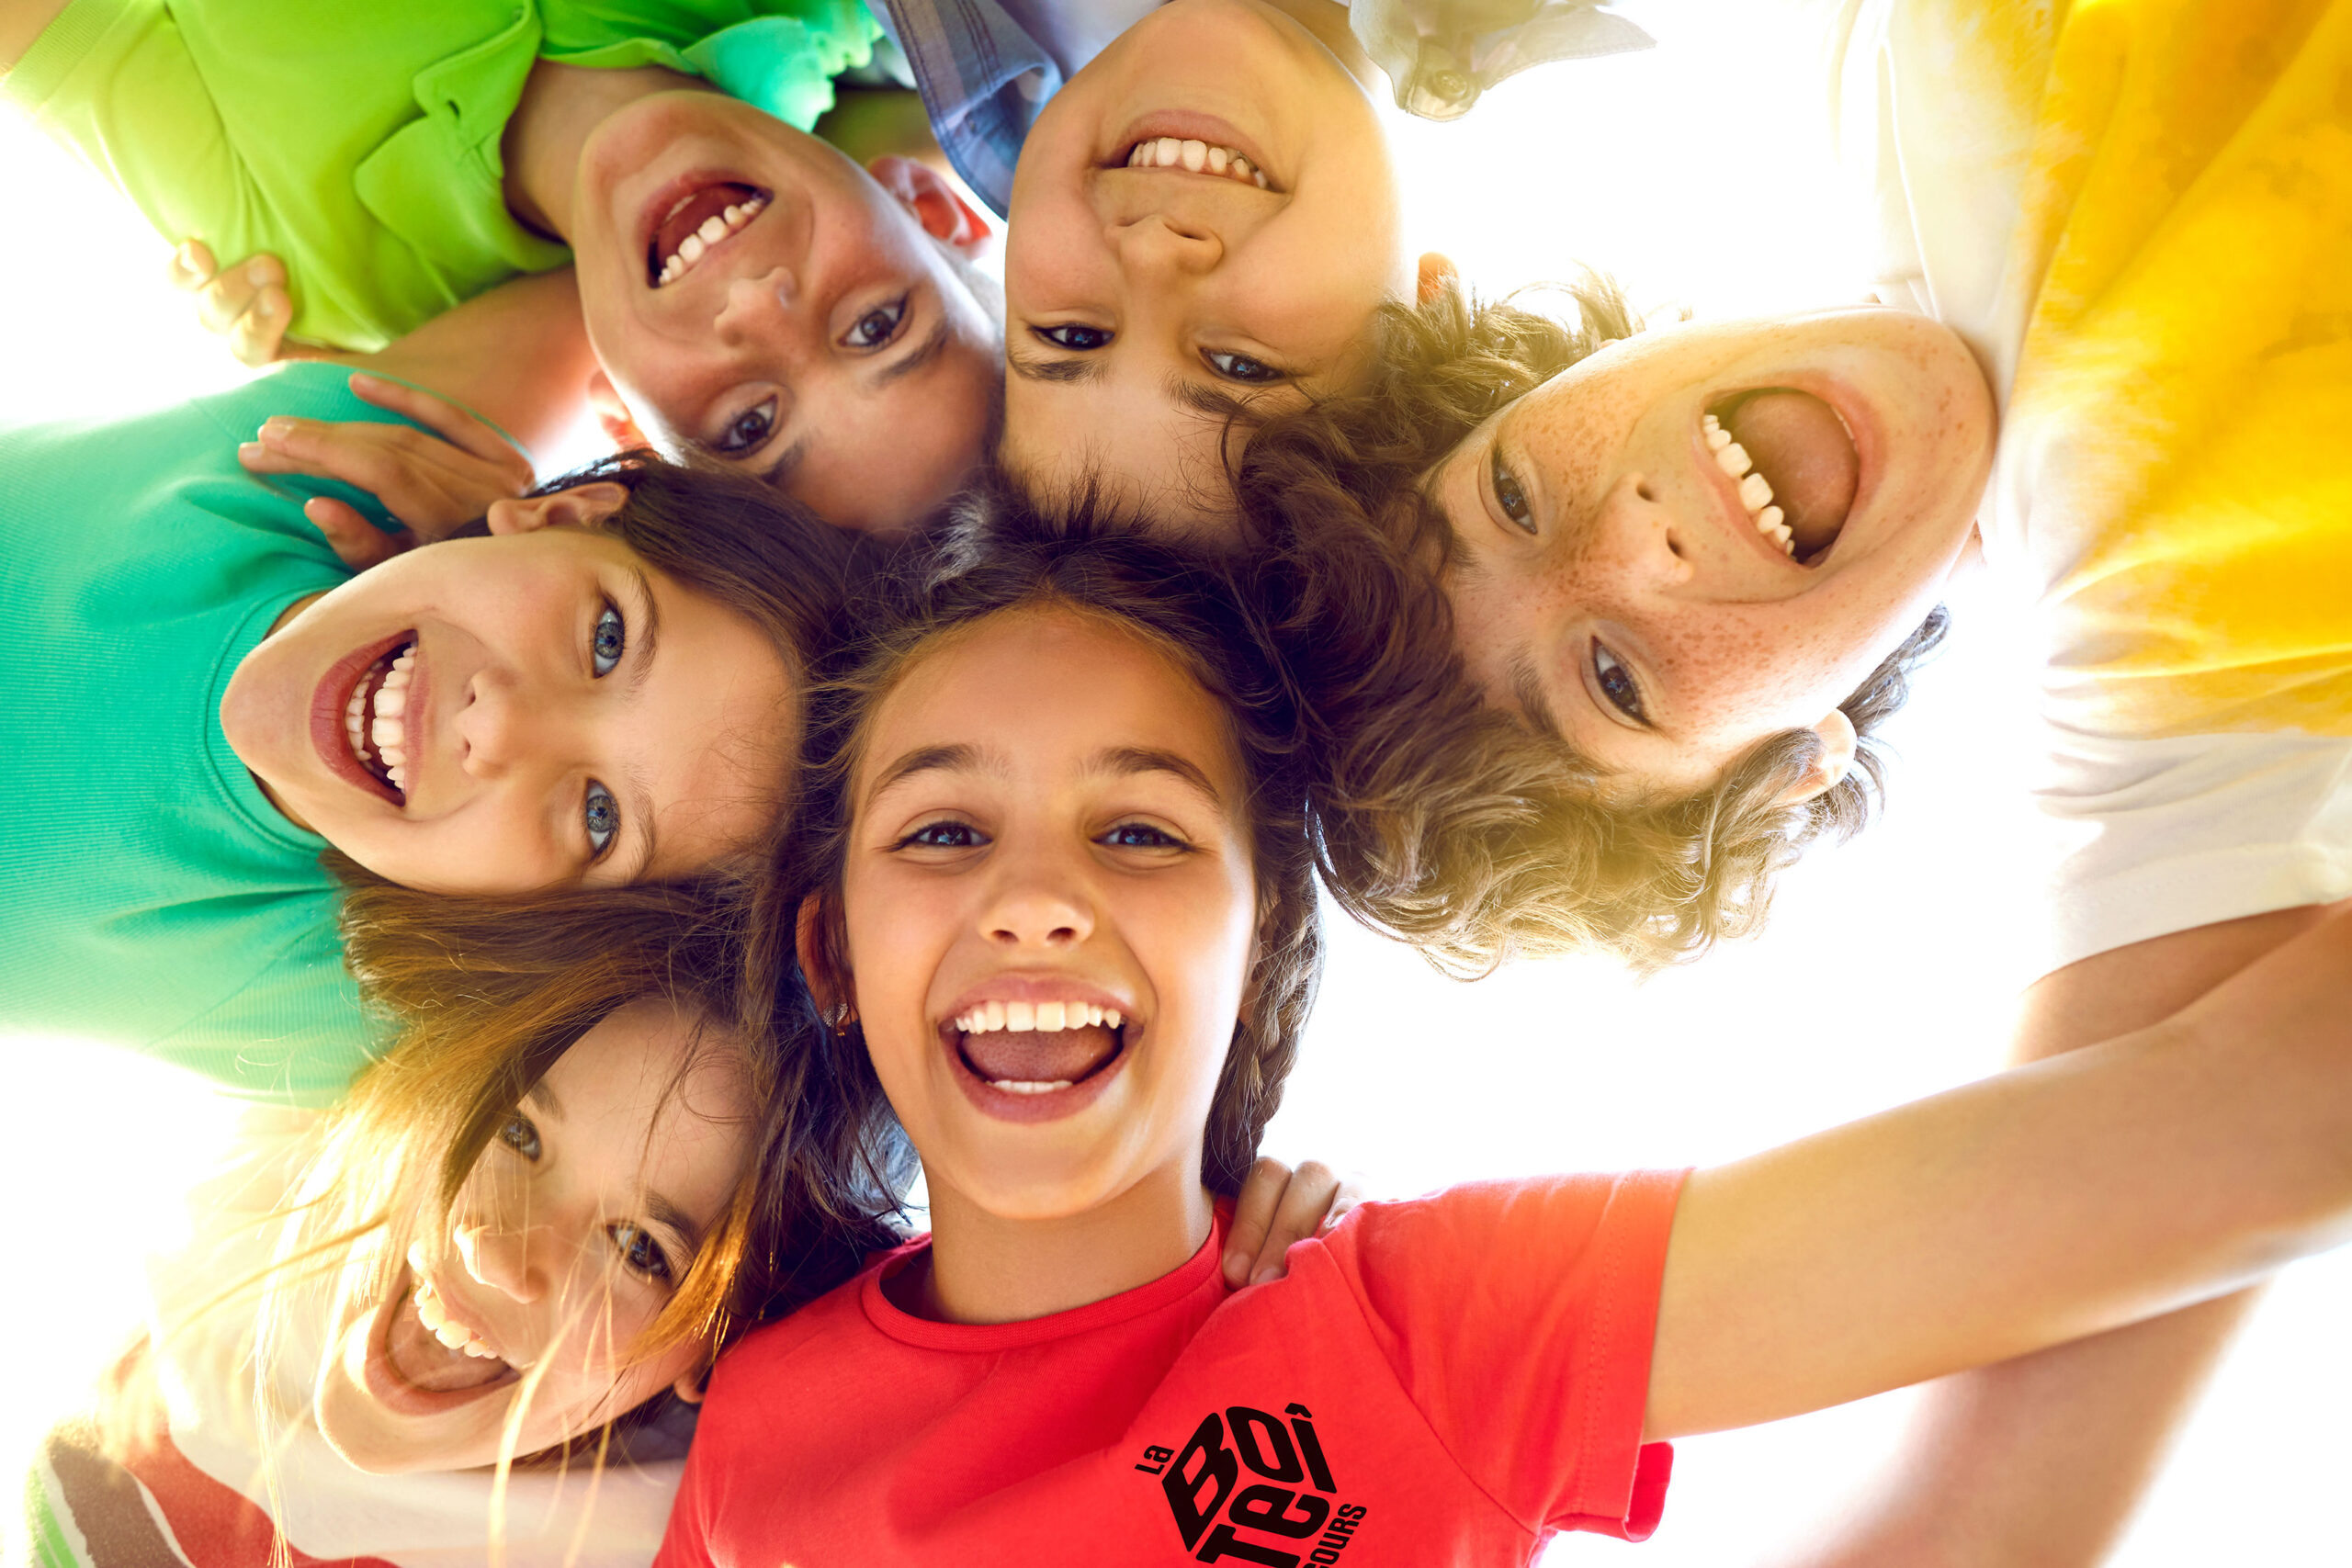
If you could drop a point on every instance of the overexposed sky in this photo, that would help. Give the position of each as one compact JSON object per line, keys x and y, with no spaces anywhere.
{"x":1694,"y":175}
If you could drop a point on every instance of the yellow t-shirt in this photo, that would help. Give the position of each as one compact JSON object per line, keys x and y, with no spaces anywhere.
{"x":2140,"y":213}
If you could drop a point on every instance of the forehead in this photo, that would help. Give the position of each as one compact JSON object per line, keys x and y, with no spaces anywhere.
{"x":656,"y":1090}
{"x":1052,"y":688}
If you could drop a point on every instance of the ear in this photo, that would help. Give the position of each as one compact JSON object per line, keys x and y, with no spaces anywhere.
{"x":819,"y":966}
{"x":583,"y":506}
{"x":936,"y":204}
{"x":1437,"y":271}
{"x":1836,"y":760}
{"x":613,"y":417}
{"x":690,"y":1386}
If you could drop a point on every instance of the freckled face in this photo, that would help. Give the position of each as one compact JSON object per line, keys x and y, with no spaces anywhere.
{"x":1610,"y":583}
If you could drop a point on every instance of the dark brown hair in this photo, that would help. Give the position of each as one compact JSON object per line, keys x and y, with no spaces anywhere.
{"x":1001,"y":555}
{"x":1444,"y":821}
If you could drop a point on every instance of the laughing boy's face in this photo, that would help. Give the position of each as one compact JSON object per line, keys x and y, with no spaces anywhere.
{"x":758,"y":299}
{"x":1209,"y":207}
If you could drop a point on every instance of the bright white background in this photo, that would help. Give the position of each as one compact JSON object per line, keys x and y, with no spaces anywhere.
{"x":1890,"y":970}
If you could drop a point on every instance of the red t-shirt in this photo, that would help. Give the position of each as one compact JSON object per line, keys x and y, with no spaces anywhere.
{"x":1450,"y":1380}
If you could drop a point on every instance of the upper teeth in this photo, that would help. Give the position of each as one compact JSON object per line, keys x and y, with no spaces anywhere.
{"x":388,"y":728}
{"x":431,"y":1312}
{"x":715,"y":228}
{"x":1200,"y":157}
{"x":1755,"y":493}
{"x":1041,"y":1017}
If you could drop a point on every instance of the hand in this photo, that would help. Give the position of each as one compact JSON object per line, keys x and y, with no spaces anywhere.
{"x":248,"y":302}
{"x":1278,"y":1206}
{"x":433,"y":480}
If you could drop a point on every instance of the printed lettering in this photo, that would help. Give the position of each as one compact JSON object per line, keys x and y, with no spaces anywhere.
{"x":1252,"y":1430}
{"x":1311,"y":1445}
{"x":1223,"y":1543}
{"x":1324,"y":1555}
{"x":1268,"y":1508}
{"x":1354,"y":1512}
{"x":1185,"y":1483}
{"x":1154,"y":1460}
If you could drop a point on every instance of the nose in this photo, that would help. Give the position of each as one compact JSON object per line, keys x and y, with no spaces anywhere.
{"x":1039,"y":906}
{"x":764,"y":310}
{"x":1636,"y":538}
{"x":1156,"y":246}
{"x":503,"y":726}
{"x":503,"y":1259}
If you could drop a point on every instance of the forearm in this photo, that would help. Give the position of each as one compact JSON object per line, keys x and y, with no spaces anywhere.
{"x":517,"y":355}
{"x":2041,"y":1462}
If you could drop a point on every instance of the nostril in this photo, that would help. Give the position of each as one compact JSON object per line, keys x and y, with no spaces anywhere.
{"x":1643,"y":490}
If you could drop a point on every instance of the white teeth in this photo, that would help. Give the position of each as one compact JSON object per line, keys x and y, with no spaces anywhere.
{"x":1028,"y":1086}
{"x":1755,"y":493}
{"x":715,"y":228}
{"x":1041,"y":1018}
{"x":1755,"y":490}
{"x":436,"y":1318}
{"x":1731,"y":458}
{"x":1195,"y":157}
{"x":1768,"y":520}
{"x":382,"y":716}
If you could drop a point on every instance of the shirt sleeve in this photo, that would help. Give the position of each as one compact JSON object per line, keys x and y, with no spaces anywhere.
{"x":1518,"y":1316}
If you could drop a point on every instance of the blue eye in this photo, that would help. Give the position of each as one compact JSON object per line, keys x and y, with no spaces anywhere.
{"x":1140,"y":836}
{"x":1075,"y":338}
{"x":639,"y":1252}
{"x":1241,"y":368}
{"x":943,"y":836}
{"x":1616,"y":683}
{"x":1509,"y":494}
{"x":517,"y":1134}
{"x":602,"y":814}
{"x":747,"y":431}
{"x":609,"y":642}
{"x":878,"y":326}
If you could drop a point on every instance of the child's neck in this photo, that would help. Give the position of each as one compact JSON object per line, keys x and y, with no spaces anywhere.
{"x":560,"y":106}
{"x":985,"y":1269}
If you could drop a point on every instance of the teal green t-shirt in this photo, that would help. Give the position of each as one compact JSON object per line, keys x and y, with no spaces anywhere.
{"x":360,"y":141}
{"x":150,"y":894}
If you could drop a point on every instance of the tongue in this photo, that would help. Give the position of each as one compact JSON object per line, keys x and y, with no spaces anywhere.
{"x":1800,"y":445}
{"x":1066,"y":1054}
{"x":423,"y":1361}
{"x":698,"y":209}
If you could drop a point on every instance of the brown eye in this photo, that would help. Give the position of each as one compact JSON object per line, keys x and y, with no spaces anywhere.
{"x":878,"y":326}
{"x":517,"y":1134}
{"x":1509,"y":494}
{"x":1616,"y":683}
{"x":750,"y":429}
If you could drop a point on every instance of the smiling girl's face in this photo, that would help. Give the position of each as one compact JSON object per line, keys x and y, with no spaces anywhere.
{"x":1623,"y":580}
{"x":532,"y":710}
{"x":573,"y":1230}
{"x":1049,"y":910}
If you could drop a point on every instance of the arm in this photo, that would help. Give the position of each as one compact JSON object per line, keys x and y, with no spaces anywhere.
{"x":2041,"y":1460}
{"x":2057,"y":1201}
{"x":22,"y":23}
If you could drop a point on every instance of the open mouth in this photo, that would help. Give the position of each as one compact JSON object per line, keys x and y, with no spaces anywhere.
{"x":696,"y":223}
{"x":1195,"y":156}
{"x":428,"y":1359}
{"x":1038,"y":1048}
{"x":1794,"y":464}
{"x":375,"y":718}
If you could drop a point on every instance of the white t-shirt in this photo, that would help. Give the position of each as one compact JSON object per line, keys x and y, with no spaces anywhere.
{"x":2138,"y":213}
{"x":205,"y":1491}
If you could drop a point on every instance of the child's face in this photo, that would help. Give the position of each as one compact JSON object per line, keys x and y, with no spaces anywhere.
{"x":1614,"y":586}
{"x":567,"y":716}
{"x":826,"y":341}
{"x":575,"y":1226}
{"x":1128,"y":287}
{"x":1024,"y":840}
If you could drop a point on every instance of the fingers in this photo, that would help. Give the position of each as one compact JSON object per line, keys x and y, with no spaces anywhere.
{"x":256,"y":337}
{"x":231,"y":293}
{"x":1254,"y":1216}
{"x":358,"y":542}
{"x":1297,"y":1217}
{"x":444,"y":418}
{"x":192,"y":266}
{"x":430,"y":485}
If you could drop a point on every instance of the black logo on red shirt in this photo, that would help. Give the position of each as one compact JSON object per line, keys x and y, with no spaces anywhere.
{"x":1226,"y":1515}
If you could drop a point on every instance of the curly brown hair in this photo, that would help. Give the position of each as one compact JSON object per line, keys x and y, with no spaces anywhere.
{"x":1445,"y":822}
{"x":1002,"y":555}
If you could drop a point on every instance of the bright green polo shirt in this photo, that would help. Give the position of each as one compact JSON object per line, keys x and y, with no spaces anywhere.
{"x":150,"y":894}
{"x":359,"y":140}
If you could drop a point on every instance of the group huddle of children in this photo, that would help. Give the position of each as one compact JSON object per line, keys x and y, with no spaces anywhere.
{"x":929,"y":739}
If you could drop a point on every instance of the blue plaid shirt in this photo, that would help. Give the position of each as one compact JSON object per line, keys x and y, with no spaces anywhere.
{"x":983,"y":78}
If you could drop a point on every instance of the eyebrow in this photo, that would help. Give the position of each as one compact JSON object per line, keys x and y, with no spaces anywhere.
{"x":539,"y":1094}
{"x":1061,"y":371}
{"x":790,"y":459}
{"x":1527,"y":690}
{"x":936,"y":759}
{"x":1124,"y":762}
{"x":1117,"y":762}
{"x":646,"y":644}
{"x":663,"y":1212}
{"x":922,"y":353}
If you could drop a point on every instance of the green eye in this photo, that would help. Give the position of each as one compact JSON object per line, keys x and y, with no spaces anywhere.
{"x":609,"y":641}
{"x":602,"y":816}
